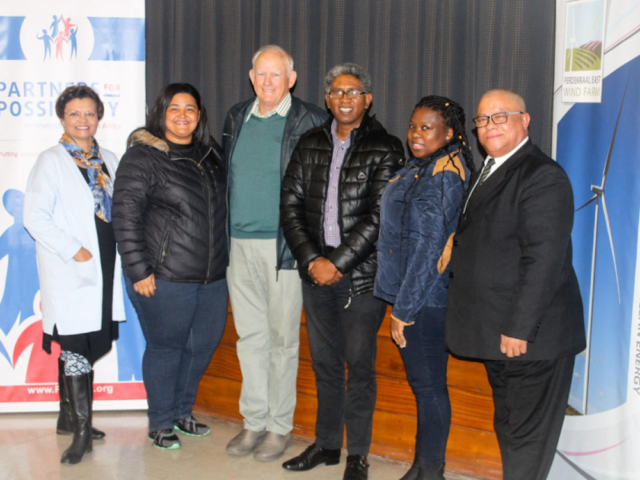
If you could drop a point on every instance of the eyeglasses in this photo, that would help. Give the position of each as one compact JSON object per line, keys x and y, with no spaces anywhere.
{"x":351,"y":94}
{"x":497,"y":118}
{"x":76,"y":115}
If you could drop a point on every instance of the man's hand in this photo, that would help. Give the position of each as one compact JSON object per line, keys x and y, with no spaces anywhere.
{"x":324,"y":272}
{"x":146,"y":287}
{"x":512,"y":347}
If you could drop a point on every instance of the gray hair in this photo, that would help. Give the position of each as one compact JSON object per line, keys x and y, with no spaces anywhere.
{"x":352,"y":69}
{"x":273,"y":48}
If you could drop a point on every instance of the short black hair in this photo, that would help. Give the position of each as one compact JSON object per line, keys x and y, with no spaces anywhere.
{"x":156,"y":118}
{"x":78,"y":92}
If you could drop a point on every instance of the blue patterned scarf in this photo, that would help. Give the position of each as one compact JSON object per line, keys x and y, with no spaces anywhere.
{"x":100,"y":184}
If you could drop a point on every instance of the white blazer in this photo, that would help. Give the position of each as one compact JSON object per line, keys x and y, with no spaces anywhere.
{"x":59,"y":214}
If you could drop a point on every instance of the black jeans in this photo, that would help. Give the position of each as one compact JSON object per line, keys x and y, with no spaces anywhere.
{"x":338,"y":335}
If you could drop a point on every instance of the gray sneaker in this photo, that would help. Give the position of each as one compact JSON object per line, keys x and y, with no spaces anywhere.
{"x":272,"y":447}
{"x":244,"y":443}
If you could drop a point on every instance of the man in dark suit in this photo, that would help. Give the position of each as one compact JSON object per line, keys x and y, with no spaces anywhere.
{"x":514,"y":300}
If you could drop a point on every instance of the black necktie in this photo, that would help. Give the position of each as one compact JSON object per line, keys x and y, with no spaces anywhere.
{"x":483,"y":176}
{"x":486,"y":171}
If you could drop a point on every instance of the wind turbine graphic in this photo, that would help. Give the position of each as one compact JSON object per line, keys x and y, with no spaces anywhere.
{"x":598,"y":195}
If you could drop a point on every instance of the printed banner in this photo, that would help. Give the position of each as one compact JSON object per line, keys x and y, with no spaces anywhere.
{"x":583,"y":54}
{"x":45,"y":47}
{"x":598,"y":145}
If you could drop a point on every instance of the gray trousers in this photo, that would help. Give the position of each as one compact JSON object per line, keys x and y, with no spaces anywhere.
{"x":266,"y":313}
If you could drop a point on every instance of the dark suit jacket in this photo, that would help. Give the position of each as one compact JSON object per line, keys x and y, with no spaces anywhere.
{"x":511,"y":270}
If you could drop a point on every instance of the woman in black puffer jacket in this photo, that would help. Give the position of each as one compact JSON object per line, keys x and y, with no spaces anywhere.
{"x":169,"y":214}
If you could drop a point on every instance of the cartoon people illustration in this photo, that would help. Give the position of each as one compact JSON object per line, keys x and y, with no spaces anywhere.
{"x":58,"y":35}
{"x":74,"y":43}
{"x":46,"y":39}
{"x":54,"y":26}
{"x":58,"y":41}
{"x":20,"y":248}
{"x":67,"y":25}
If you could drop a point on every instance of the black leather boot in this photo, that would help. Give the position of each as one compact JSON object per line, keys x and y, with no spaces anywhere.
{"x":412,"y":473}
{"x":78,"y":389}
{"x":431,"y":472}
{"x":65,"y":422}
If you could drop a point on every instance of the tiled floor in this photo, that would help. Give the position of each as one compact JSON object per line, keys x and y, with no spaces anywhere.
{"x":30,"y":449}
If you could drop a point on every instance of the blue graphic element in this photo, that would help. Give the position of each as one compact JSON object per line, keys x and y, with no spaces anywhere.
{"x":10,"y":48}
{"x":74,"y":43}
{"x":130,"y":345}
{"x":55,"y":25}
{"x":5,"y":354}
{"x":47,"y":40}
{"x":22,"y":284}
{"x":584,"y":137}
{"x":118,"y":39}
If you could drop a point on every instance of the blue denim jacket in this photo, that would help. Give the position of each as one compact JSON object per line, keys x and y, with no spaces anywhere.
{"x":419,"y":215}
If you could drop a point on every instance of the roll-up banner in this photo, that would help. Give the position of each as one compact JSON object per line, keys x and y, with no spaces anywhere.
{"x":597,"y":141}
{"x":44,"y":47}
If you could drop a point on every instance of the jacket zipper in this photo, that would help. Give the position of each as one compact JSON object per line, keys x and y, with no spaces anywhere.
{"x":279,"y":251}
{"x":206,"y":184}
{"x":347,"y":156}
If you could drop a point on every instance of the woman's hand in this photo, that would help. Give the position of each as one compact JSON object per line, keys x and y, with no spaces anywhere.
{"x":83,"y":255}
{"x":397,"y":332}
{"x":146,"y":287}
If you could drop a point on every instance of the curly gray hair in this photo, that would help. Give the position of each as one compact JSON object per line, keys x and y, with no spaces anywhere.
{"x":352,"y":69}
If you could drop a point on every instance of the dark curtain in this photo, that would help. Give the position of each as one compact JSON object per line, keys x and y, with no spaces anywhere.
{"x":412,"y":48}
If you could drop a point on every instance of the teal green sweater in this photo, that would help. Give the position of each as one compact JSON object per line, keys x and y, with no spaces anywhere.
{"x":255,"y":178}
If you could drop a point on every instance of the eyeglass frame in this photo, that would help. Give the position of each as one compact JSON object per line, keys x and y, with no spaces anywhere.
{"x":490,"y":118}
{"x":75,"y":115}
{"x":357,"y":95}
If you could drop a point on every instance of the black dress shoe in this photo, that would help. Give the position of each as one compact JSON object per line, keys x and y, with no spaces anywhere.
{"x":357,"y":468}
{"x":312,"y":457}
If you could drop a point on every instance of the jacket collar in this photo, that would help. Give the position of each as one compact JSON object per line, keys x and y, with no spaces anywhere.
{"x":369,"y":124}
{"x":146,"y":138}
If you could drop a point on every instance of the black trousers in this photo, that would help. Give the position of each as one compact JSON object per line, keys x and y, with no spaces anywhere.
{"x":338,"y":335}
{"x":530,"y":402}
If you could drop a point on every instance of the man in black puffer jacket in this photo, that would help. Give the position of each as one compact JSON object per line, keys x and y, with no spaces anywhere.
{"x":330,"y":213}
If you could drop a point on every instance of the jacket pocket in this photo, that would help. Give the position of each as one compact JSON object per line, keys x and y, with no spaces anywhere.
{"x":86,"y":273}
{"x":164,"y":247}
{"x":388,"y":273}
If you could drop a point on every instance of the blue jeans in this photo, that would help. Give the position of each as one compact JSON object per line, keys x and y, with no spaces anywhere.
{"x":182,"y":324}
{"x":425,"y":360}
{"x":338,"y":335}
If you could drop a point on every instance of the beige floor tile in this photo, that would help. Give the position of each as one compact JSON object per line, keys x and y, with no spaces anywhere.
{"x":30,"y":450}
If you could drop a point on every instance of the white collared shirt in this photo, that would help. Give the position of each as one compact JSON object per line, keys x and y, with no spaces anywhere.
{"x":501,"y":160}
{"x":498,"y":163}
{"x":282,"y":109}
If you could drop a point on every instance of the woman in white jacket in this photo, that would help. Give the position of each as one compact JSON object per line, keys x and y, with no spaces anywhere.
{"x":67,"y":210}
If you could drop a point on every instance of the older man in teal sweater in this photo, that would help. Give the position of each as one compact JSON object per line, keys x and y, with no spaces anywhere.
{"x":265,"y":290}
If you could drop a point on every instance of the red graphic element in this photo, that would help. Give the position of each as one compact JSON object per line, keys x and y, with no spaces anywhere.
{"x":42,"y":367}
{"x":48,"y":392}
{"x":593,"y":452}
{"x":592,"y":45}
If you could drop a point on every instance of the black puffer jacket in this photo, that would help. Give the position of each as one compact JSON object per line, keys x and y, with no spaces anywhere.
{"x":169,"y":212}
{"x":370,"y":161}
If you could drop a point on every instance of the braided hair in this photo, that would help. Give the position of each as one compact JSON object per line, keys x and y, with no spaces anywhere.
{"x":453,"y":116}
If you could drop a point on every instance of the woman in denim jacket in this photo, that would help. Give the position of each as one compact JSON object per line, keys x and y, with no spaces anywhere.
{"x":419,"y":214}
